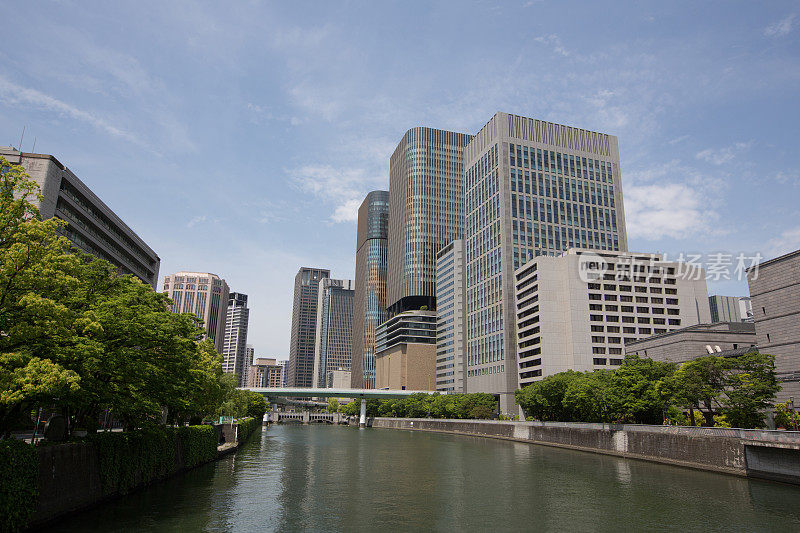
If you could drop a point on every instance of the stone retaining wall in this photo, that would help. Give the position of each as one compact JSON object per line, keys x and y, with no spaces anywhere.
{"x":765,"y":454}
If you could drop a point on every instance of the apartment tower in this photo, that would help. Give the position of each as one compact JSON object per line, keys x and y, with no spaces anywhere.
{"x":426,"y":212}
{"x":531,"y":188}
{"x":204,"y":294}
{"x":333,"y":343}
{"x":300,"y":368}
{"x":235,"y":349}
{"x":369,"y":299}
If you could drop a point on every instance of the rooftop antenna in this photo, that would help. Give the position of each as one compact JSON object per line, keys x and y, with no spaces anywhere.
{"x":21,"y":137}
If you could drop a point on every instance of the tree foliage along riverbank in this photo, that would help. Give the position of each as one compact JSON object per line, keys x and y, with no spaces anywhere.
{"x":652,"y":392}
{"x":78,"y":337}
{"x":476,"y":405}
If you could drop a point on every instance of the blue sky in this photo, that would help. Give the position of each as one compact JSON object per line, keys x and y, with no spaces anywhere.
{"x":240,"y":137}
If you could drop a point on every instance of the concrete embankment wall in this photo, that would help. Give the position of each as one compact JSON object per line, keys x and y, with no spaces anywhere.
{"x":766,"y":454}
{"x":69,"y":476}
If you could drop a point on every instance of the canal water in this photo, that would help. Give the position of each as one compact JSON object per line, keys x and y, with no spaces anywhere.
{"x":328,"y":478}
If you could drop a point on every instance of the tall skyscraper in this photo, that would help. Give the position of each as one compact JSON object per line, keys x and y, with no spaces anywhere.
{"x":369,"y":301}
{"x":333,"y":344}
{"x":532,"y":188}
{"x":450,"y":324}
{"x":91,"y":225}
{"x":234,"y":349}
{"x":205,"y":295}
{"x":300,"y":369}
{"x":426,"y":212}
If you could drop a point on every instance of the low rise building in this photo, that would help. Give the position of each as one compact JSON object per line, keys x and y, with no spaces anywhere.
{"x":580,"y":309}
{"x":91,"y":225}
{"x":775,"y":296}
{"x":685,"y":344}
{"x":405,"y":352}
{"x":265,"y":373}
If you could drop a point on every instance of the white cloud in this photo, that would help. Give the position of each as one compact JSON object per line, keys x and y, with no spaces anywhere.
{"x":673,"y":210}
{"x":672,"y":200}
{"x":554,"y":42}
{"x":13,"y":94}
{"x":780,"y":28}
{"x":196,"y":220}
{"x":721,"y":156}
{"x":345,"y":188}
{"x":786,"y":242}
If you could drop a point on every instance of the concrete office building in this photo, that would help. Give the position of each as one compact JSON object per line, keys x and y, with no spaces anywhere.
{"x":450,"y":324}
{"x":746,"y":309}
{"x":333,"y":342}
{"x":285,"y":375}
{"x":300,"y":367}
{"x":724,"y":308}
{"x":204,"y":294}
{"x":775,"y":295}
{"x":426,"y":212}
{"x":91,"y":225}
{"x":580,"y":310}
{"x":405,"y":352}
{"x":369,"y":299}
{"x":234,"y":348}
{"x":250,"y":353}
{"x":725,"y":339}
{"x":338,"y":379}
{"x":532,"y":188}
{"x":265,"y":373}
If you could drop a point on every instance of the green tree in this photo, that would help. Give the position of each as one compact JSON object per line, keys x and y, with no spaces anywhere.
{"x":640,"y":390}
{"x":544,"y":400}
{"x":750,"y":390}
{"x":591,"y":397}
{"x":256,"y":405}
{"x":333,"y":405}
{"x":700,"y":384}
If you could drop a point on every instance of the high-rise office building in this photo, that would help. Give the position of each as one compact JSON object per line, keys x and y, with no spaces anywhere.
{"x":91,"y":225}
{"x":333,"y":343}
{"x":300,"y":368}
{"x":250,"y":353}
{"x":204,"y":294}
{"x":426,"y":212}
{"x":531,"y":188}
{"x":450,"y":324}
{"x":234,"y":348}
{"x":581,"y":309}
{"x":775,"y":295}
{"x":369,"y":301}
{"x":724,"y":308}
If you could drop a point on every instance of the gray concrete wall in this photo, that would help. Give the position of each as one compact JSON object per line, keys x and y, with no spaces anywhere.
{"x":756,"y":453}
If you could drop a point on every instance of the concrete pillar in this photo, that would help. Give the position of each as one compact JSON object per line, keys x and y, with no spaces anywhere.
{"x":362,"y":421}
{"x":306,"y":417}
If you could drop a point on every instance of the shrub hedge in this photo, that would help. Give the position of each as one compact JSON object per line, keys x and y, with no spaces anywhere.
{"x":19,"y":480}
{"x":132,"y":458}
{"x":247,"y":426}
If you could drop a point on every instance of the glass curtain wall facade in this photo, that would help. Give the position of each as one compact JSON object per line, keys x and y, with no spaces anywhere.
{"x":300,"y":368}
{"x":369,"y":299}
{"x":426,"y":212}
{"x":334,"y":339}
{"x":532,"y":188}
